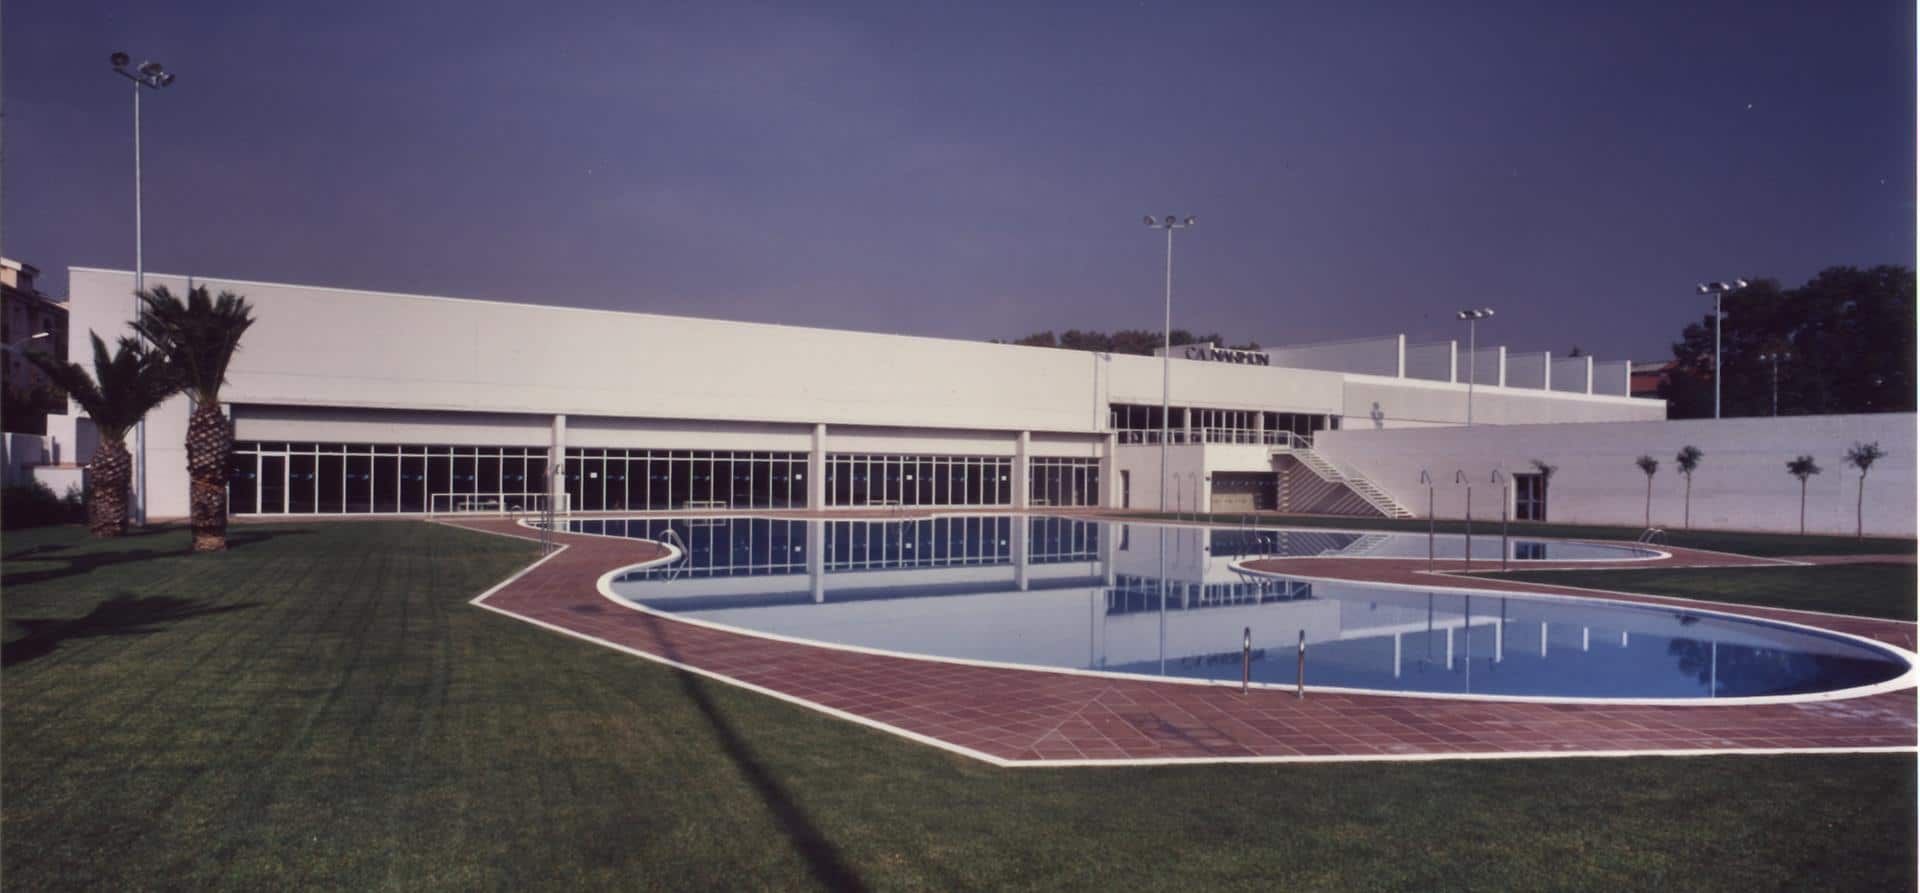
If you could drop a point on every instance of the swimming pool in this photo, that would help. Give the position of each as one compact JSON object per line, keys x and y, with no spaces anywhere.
{"x":1169,"y":602}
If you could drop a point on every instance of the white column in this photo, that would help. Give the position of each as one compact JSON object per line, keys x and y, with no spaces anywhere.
{"x":1020,"y":551}
{"x":1589,"y":359}
{"x":1453,"y":361}
{"x":1396,"y":654}
{"x":1500,"y":359}
{"x":817,"y":470}
{"x":1110,"y":472}
{"x":557,"y":464}
{"x":1400,"y":355}
{"x":817,"y":558}
{"x":1021,"y":446}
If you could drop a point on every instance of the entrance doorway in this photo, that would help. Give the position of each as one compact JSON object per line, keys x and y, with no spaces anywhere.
{"x":1242,"y":491}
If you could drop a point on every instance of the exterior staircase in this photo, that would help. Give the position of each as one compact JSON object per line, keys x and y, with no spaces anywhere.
{"x":1302,"y":452}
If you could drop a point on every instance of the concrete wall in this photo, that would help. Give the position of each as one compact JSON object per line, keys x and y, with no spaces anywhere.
{"x":1613,"y":377}
{"x":1433,"y":362}
{"x":1741,"y":484}
{"x":1528,"y":370}
{"x":1573,"y":375}
{"x":1380,"y":403}
{"x":1485,"y":366}
{"x":1368,"y":356}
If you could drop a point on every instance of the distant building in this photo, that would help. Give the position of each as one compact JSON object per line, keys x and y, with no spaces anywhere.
{"x":1648,"y":377}
{"x":30,"y":396}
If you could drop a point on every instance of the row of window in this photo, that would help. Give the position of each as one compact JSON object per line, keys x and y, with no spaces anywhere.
{"x":618,"y":480}
{"x":281,"y":478}
{"x":865,"y":480}
{"x":1136,"y":423}
{"x":309,"y":478}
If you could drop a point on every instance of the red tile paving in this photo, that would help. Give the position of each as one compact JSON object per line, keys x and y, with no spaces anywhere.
{"x":1027,"y":717}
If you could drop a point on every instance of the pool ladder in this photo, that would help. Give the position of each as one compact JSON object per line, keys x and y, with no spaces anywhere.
{"x":1651,"y":536}
{"x":672,"y":537}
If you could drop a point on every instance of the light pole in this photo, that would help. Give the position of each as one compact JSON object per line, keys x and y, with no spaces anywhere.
{"x":1473,"y":318}
{"x":1717,"y":289}
{"x":1774,"y":357}
{"x":1169,"y":223}
{"x":151,"y":76}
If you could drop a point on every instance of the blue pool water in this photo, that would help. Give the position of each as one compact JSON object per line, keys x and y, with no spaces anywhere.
{"x":1165,"y":601}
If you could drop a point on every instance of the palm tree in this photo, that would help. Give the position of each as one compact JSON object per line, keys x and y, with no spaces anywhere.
{"x":199,"y":337}
{"x":1803,"y":467}
{"x":1862,"y":456}
{"x":1688,"y":459}
{"x":121,"y":390}
{"x":1648,"y":465}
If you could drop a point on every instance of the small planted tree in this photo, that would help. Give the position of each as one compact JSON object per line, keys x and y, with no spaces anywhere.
{"x":1648,"y":465}
{"x":1687,"y":460}
{"x":199,"y":337}
{"x":1803,"y":467}
{"x":1862,"y":456}
{"x":124,"y":386}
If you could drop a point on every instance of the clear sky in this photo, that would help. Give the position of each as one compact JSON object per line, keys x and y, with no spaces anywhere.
{"x":980,"y":170}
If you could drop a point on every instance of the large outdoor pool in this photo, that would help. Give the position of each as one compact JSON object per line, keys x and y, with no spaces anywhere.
{"x":1162,"y":601}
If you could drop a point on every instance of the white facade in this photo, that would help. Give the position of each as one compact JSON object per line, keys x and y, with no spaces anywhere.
{"x":1740,"y":484}
{"x":338,"y":366}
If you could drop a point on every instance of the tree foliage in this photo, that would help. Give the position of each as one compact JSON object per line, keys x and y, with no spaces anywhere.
{"x":1850,"y":333}
{"x":1139,"y":342}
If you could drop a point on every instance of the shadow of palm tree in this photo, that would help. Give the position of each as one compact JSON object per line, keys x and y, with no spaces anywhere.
{"x":85,"y":562}
{"x":122,"y":615}
{"x":823,"y":858}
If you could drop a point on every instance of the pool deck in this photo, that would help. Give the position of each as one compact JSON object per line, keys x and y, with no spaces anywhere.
{"x":1018,"y":717}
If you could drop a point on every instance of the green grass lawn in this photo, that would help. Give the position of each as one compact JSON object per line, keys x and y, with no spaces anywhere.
{"x":1764,"y":544}
{"x":1868,"y":590}
{"x":320,"y":707}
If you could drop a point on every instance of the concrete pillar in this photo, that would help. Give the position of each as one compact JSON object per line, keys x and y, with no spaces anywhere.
{"x":817,"y":470}
{"x":1021,"y":446}
{"x":1501,"y":361}
{"x":557,"y":465}
{"x":1400,"y":356}
{"x":1110,"y":472}
{"x":817,"y":558}
{"x":1453,"y":361}
{"x":1020,"y":550}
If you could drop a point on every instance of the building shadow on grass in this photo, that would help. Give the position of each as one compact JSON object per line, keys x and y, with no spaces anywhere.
{"x":82,"y":562}
{"x":124,"y":614}
{"x":823,"y":858}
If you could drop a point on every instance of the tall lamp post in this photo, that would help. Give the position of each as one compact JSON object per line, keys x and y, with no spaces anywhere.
{"x":1473,"y":318}
{"x":149,"y":76}
{"x":1168,"y":223}
{"x":1718,"y":290}
{"x":1774,"y":357}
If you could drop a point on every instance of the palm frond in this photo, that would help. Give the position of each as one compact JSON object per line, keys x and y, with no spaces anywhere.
{"x":199,"y":335}
{"x":124,"y":386}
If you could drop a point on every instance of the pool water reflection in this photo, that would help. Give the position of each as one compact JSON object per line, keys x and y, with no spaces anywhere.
{"x":1166,"y":601}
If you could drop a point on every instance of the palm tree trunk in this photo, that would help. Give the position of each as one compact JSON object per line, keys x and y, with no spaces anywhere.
{"x":1649,"y":501}
{"x":1803,"y":506}
{"x":107,"y":478}
{"x":209,"y":446}
{"x":1686,"y":511}
{"x":1860,"y":510}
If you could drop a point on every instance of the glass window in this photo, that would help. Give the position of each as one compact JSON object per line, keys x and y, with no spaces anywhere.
{"x":488,"y":482}
{"x":386,"y":483}
{"x":273,"y":484}
{"x":243,"y":484}
{"x":413,"y":483}
{"x":359,"y":484}
{"x":332,"y":484}
{"x":300,"y":484}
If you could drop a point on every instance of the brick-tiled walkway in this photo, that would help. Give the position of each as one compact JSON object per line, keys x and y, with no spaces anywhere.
{"x":1037,"y":717}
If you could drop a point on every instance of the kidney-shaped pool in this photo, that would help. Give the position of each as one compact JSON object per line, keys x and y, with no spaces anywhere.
{"x":1168,"y":602}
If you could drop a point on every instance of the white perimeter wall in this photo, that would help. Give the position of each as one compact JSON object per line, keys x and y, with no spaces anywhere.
{"x":1741,"y":484}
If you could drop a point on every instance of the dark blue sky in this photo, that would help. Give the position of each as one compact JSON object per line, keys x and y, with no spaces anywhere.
{"x":978,"y":171}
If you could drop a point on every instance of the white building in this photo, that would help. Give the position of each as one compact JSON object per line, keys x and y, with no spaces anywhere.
{"x":355,"y":402}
